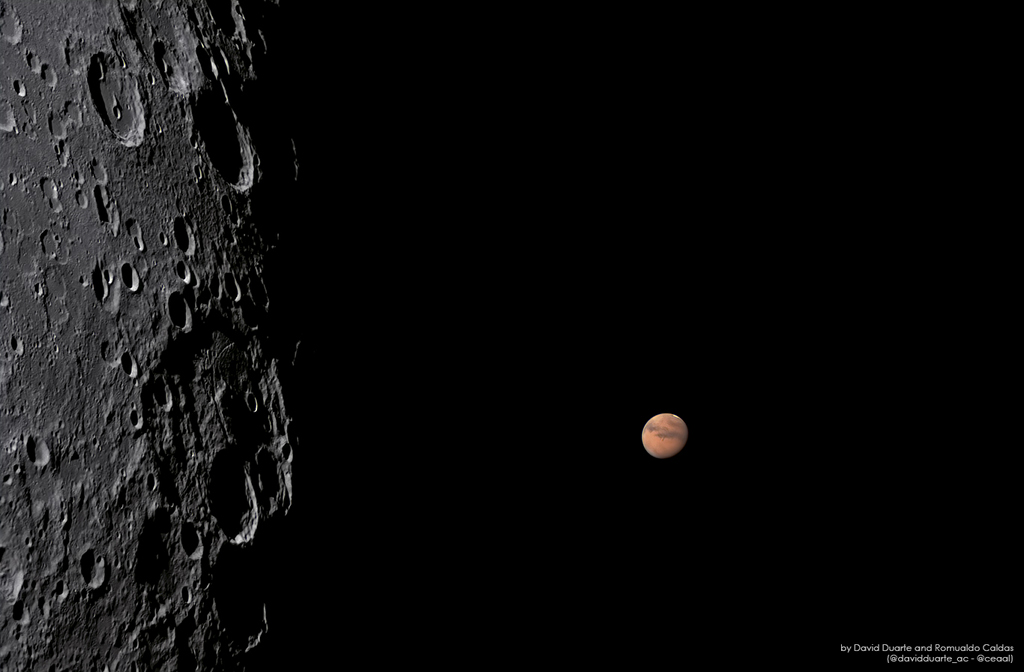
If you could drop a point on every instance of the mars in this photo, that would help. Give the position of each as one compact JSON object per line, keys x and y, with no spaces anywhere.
{"x":665,"y":435}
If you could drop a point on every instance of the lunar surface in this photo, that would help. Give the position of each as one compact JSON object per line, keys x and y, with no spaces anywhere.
{"x":145,"y":440}
{"x":665,"y":435}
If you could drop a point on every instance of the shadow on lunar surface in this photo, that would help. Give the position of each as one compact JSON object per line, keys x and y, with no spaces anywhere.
{"x":225,"y":143}
{"x":238,"y":594}
{"x":229,"y":492}
{"x":152,"y":558}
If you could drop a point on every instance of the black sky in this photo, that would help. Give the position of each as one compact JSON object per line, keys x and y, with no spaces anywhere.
{"x":499,"y":270}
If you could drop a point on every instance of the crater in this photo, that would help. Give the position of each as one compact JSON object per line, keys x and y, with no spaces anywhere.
{"x":128,"y":365}
{"x":179,"y":312}
{"x":190,"y":540}
{"x":130,"y":277}
{"x":99,"y":284}
{"x":237,"y":594}
{"x":115,"y":93}
{"x":38,"y":451}
{"x":183,"y":236}
{"x":227,"y":142}
{"x":94,"y":569}
{"x":232,"y":497}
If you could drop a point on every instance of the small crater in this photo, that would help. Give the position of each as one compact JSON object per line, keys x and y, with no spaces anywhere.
{"x":159,"y":53}
{"x":179,"y":312}
{"x":189,"y":540}
{"x":49,"y":244}
{"x":184,"y":272}
{"x":183,"y":236}
{"x":17,"y":346}
{"x":38,"y":452}
{"x":135,"y":231}
{"x":49,"y":75}
{"x":99,"y":172}
{"x":130,"y":277}
{"x":231,"y":288}
{"x":58,"y":128}
{"x":50,"y":191}
{"x":99,"y":283}
{"x":160,"y":396}
{"x":88,"y":565}
{"x":94,"y":569}
{"x":48,"y":187}
{"x":128,"y":365}
{"x":251,"y":401}
{"x":100,"y":197}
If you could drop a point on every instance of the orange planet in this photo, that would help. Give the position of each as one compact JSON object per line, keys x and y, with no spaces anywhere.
{"x":665,"y":435}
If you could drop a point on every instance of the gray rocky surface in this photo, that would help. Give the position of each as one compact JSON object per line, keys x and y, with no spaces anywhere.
{"x":145,"y":437}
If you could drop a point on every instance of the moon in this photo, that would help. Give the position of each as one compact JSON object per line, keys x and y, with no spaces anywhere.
{"x":147,"y":430}
{"x":665,"y":435}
